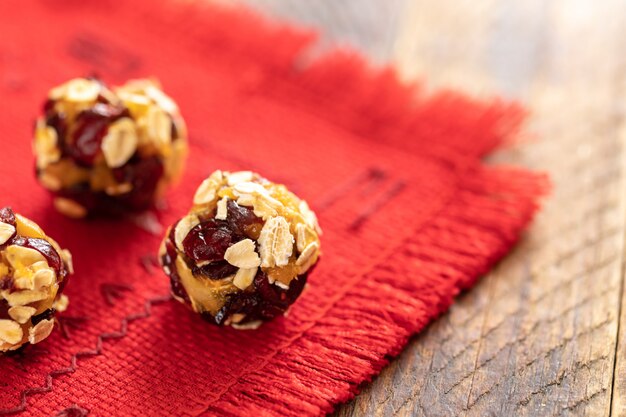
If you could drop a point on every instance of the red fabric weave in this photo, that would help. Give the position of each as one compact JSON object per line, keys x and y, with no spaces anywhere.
{"x":410,"y":214}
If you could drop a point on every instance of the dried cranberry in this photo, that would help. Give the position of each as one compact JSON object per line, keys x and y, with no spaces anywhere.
{"x":241,"y":218}
{"x":48,"y":106}
{"x":209,"y":240}
{"x":276,"y":296}
{"x":91,"y":127}
{"x":243,"y":303}
{"x":7,"y":216}
{"x":46,"y":315}
{"x":144,"y":175}
{"x":215,"y":270}
{"x":6,"y":283}
{"x":43,"y":247}
{"x":58,"y":122}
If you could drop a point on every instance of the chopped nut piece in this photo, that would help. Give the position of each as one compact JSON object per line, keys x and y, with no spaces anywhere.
{"x":120,"y":142}
{"x":243,"y":255}
{"x":281,"y":285}
{"x":10,"y":331}
{"x":251,"y":325}
{"x":21,"y":314}
{"x":275,"y":242}
{"x":244,"y":277}
{"x":61,"y":303}
{"x":40,"y":331}
{"x":182,"y":229}
{"x":69,"y":207}
{"x":207,"y":190}
{"x":118,"y":189}
{"x":222,"y":210}
{"x":6,"y":231}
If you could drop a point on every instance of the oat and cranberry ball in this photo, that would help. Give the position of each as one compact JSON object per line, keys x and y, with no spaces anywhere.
{"x":243,"y":253}
{"x":33,"y":273}
{"x":108,"y":151}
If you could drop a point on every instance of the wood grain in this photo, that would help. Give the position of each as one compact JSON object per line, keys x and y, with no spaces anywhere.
{"x":539,"y":335}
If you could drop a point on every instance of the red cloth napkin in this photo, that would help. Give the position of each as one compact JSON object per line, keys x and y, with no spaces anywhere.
{"x":411,"y":216}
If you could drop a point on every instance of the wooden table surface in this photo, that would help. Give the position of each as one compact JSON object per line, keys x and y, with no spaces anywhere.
{"x":541,"y":334}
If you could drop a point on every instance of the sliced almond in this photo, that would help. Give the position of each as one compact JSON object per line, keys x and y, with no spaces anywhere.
{"x":244,"y":277}
{"x":120,"y":142}
{"x":81,"y":90}
{"x":21,"y":314}
{"x":161,"y":99}
{"x":40,"y":331}
{"x":44,"y":278}
{"x":275,"y":242}
{"x":240,"y":176}
{"x":206,"y":192}
{"x":10,"y":331}
{"x":67,"y":258}
{"x":45,"y":145}
{"x":6,"y":231}
{"x":20,"y":256}
{"x":70,"y":208}
{"x":159,"y":125}
{"x":49,"y":181}
{"x":182,"y":229}
{"x":28,"y":228}
{"x":222,"y":209}
{"x":22,"y":298}
{"x":243,"y":255}
{"x":281,"y":285}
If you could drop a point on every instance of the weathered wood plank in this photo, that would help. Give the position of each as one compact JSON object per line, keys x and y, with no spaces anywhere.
{"x":538,"y":335}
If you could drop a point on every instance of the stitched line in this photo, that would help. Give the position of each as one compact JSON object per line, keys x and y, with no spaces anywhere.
{"x":85,"y":353}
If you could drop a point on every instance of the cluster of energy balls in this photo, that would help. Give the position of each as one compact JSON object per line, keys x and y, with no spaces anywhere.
{"x":103,"y":150}
{"x":33,"y":272}
{"x":243,"y":252}
{"x":239,"y":257}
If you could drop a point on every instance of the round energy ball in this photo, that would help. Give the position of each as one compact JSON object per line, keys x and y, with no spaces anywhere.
{"x":108,"y":151}
{"x":243,"y":253}
{"x":33,"y":272}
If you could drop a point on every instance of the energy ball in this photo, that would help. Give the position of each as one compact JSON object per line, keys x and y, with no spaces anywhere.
{"x":243,"y":253}
{"x":33,"y":273}
{"x":103,"y":151}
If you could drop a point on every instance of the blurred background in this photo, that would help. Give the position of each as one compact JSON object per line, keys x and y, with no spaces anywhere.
{"x":540,"y":335}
